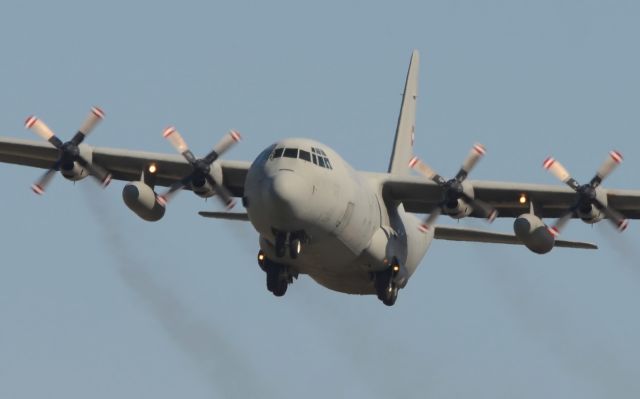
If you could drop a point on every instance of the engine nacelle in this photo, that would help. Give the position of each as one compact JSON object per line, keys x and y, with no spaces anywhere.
{"x":201,"y":186}
{"x":533,"y":233}
{"x":457,"y":210}
{"x":590,"y":214}
{"x":460,"y":208}
{"x":73,"y":170}
{"x":141,"y":199}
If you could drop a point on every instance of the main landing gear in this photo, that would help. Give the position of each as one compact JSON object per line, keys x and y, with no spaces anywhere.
{"x":386,"y":288}
{"x":291,"y":241}
{"x":278,"y":276}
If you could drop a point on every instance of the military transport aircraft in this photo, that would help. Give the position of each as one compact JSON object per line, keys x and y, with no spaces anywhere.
{"x":351,"y":231}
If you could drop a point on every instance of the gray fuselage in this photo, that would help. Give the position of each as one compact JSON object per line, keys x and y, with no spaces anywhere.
{"x":350,"y":231}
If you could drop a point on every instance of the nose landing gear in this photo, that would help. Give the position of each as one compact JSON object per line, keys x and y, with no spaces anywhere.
{"x":278,"y":276}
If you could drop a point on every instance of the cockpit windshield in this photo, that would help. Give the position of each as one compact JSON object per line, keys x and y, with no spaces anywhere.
{"x":317,"y":156}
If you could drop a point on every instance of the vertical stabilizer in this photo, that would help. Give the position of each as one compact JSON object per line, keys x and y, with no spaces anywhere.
{"x":403,"y":144}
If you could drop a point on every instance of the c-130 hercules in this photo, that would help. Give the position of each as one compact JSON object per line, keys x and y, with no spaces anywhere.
{"x":351,"y":231}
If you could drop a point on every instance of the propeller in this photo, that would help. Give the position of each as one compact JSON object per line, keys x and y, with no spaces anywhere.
{"x":453,"y":189}
{"x":69,"y":152}
{"x":200,"y":167}
{"x":586,"y":193}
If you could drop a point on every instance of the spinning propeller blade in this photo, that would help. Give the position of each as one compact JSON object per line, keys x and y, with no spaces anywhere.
{"x":586,"y":194}
{"x":200,"y":168}
{"x":69,"y":152}
{"x":453,"y":189}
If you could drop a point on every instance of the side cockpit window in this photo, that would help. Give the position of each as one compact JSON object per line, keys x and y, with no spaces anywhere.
{"x":320,"y":158}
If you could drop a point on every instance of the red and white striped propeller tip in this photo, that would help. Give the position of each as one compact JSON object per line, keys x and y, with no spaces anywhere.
{"x":98,"y":112}
{"x":106,"y":180}
{"x":161,"y":200}
{"x":235,"y":135}
{"x":622,"y":226}
{"x":554,"y":231}
{"x":30,"y":121}
{"x":168,"y":131}
{"x":37,"y":189}
{"x":479,"y":148}
{"x":548,"y":162}
{"x":413,"y":162}
{"x":616,"y":156}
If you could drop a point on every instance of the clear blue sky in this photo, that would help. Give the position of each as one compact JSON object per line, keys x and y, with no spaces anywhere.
{"x":106,"y":305}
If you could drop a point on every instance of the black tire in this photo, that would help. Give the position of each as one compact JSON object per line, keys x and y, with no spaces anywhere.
{"x":392,"y":295}
{"x":382,"y":283}
{"x":276,"y":281}
{"x":273,"y":277}
{"x":281,"y":288}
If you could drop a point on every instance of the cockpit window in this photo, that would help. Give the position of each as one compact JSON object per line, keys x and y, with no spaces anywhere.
{"x":327,"y":163}
{"x":291,"y":153}
{"x":304,"y":155}
{"x":317,"y":156}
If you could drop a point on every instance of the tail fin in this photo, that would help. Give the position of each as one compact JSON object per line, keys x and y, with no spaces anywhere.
{"x":403,"y":144}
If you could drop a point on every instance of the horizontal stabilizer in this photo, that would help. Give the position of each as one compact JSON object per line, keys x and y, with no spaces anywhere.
{"x":243,"y":217}
{"x":475,"y":235}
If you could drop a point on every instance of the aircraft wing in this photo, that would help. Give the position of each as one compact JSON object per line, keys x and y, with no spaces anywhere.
{"x":476,"y":235}
{"x":419,"y":195}
{"x":123,"y":164}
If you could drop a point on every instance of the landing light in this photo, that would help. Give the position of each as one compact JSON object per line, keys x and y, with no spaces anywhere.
{"x":396,"y":268}
{"x":153,"y":168}
{"x":261,"y":257}
{"x":522,"y":199}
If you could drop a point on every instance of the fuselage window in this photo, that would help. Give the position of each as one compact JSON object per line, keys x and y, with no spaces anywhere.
{"x":291,"y":153}
{"x":278,"y":152}
{"x":304,"y":155}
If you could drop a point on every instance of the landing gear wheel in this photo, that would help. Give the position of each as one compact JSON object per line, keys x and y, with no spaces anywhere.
{"x":391,"y":295}
{"x":295,"y":247}
{"x":276,"y":280}
{"x":386,"y":289}
{"x":280,"y":244}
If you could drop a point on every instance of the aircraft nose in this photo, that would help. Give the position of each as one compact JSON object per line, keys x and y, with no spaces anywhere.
{"x":290,"y":195}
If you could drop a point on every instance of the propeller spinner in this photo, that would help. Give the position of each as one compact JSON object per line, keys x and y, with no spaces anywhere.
{"x":453,"y":189}
{"x":69,"y":152}
{"x":200,"y":167}
{"x":586,"y":193}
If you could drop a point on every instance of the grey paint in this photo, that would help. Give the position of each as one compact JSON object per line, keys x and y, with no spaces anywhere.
{"x":356,"y":221}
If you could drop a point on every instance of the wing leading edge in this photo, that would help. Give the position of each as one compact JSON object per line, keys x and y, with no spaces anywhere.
{"x":124,"y":165}
{"x":551,"y":201}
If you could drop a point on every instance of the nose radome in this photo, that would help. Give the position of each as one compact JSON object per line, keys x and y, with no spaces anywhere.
{"x":290,"y":194}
